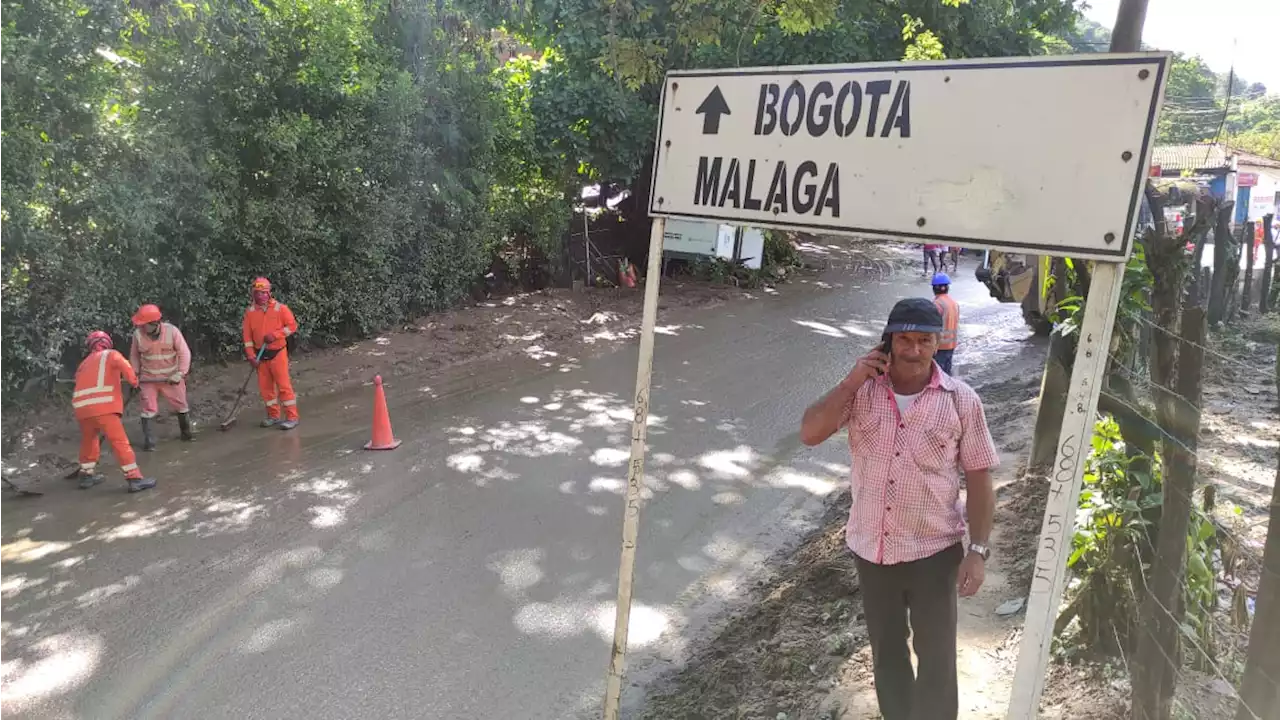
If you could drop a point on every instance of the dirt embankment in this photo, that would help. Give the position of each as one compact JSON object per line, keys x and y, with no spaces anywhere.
{"x":527,"y":332}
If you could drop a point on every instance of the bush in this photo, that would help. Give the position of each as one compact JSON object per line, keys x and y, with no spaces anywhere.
{"x":351,"y":152}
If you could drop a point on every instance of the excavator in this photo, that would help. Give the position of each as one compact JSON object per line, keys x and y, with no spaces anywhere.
{"x":1018,"y":277}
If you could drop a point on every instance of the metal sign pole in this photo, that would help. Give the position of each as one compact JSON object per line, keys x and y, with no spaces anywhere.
{"x":1066,"y":475}
{"x":635,"y":473}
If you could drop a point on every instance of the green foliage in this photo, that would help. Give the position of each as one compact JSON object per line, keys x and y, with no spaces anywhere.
{"x":921,"y":44}
{"x":1192,"y":111}
{"x":602,"y":81}
{"x":170,"y":153}
{"x":779,"y":251}
{"x":1115,"y":528}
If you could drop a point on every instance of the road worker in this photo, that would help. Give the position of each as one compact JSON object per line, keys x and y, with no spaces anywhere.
{"x":267,"y":324}
{"x":99,"y":403}
{"x":950,"y":310}
{"x":161,"y":358}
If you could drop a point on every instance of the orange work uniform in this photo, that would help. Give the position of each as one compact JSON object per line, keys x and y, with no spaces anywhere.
{"x":277,"y":319}
{"x":99,"y":403}
{"x":950,"y":310}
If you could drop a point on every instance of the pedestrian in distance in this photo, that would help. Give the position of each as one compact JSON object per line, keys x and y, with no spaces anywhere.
{"x":950,"y":310}
{"x":98,"y":402}
{"x":267,"y":325}
{"x":160,"y":357}
{"x":912,"y":431}
{"x":930,"y":260}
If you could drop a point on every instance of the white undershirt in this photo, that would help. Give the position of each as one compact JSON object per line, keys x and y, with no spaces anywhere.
{"x":904,"y":401}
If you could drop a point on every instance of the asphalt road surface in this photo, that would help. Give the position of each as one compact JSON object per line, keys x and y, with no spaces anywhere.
{"x":469,"y":574}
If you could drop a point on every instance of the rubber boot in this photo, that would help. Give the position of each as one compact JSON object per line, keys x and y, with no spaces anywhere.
{"x":148,"y":440}
{"x":184,"y":424}
{"x":89,"y":479}
{"x":288,"y":424}
{"x":270,"y":422}
{"x":140,"y":484}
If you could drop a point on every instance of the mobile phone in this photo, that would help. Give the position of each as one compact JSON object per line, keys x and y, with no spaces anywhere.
{"x":886,"y":347}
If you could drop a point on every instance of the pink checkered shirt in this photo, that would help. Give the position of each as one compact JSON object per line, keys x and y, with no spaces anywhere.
{"x":906,"y":468}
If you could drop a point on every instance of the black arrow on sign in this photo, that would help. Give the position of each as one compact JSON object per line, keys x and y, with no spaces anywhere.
{"x":711,"y":109}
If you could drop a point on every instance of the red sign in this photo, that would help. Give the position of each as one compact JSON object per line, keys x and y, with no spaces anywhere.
{"x":1246,"y":179}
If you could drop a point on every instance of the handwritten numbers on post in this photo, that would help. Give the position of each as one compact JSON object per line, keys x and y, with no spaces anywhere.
{"x":641,"y":415}
{"x":1053,"y":537}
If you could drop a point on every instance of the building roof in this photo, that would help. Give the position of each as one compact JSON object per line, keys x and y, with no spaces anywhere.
{"x":1191,"y":156}
{"x":1250,"y":160}
{"x":1205,"y":157}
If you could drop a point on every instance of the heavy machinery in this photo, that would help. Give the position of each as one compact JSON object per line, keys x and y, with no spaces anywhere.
{"x":1018,"y":277}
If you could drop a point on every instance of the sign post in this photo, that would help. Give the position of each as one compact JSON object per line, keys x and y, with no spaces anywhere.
{"x":971,"y":153}
{"x":635,"y":473}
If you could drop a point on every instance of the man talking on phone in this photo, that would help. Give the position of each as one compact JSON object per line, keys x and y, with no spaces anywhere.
{"x":913,"y":431}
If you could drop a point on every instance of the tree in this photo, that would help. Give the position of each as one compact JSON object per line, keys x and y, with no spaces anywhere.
{"x":168,"y":153}
{"x":1191,"y":111}
{"x":595,"y":102}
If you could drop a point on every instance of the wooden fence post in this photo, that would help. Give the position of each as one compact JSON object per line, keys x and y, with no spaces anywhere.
{"x":1246,"y":295}
{"x":1268,"y":267}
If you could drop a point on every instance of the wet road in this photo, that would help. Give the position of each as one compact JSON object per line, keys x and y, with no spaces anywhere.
{"x":468,"y":574}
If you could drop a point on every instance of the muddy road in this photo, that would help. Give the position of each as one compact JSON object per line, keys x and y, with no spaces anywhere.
{"x":470,"y":573}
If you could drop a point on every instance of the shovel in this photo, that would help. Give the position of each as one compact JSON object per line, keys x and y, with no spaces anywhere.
{"x":231,"y":417}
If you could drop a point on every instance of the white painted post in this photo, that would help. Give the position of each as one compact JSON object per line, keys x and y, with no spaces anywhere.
{"x":1087,"y":380}
{"x":635,"y":473}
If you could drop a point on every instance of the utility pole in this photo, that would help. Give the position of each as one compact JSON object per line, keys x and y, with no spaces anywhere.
{"x":1126,"y":36}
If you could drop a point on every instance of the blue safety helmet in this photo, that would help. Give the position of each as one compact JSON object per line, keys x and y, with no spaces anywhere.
{"x":941,"y":279}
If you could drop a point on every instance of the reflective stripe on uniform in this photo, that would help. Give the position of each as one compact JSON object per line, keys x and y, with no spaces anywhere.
{"x":88,"y":467}
{"x":162,"y":351}
{"x":288,"y":403}
{"x":950,"y":311}
{"x":163,"y":372}
{"x":97,"y":390}
{"x":286,"y":332}
{"x":93,"y":401}
{"x":272,"y":403}
{"x":130,"y":467}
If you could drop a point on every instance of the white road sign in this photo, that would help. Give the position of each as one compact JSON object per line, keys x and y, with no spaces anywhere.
{"x":1033,"y":154}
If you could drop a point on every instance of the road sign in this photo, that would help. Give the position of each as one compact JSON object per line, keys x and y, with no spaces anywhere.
{"x":1025,"y":154}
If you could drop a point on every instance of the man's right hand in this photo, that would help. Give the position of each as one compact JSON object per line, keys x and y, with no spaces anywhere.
{"x":254,"y":362}
{"x":868,"y":366}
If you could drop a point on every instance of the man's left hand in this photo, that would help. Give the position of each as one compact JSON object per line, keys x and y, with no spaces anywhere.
{"x":973,"y":570}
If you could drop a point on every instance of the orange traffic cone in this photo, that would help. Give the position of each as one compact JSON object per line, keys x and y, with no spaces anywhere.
{"x":383,"y":438}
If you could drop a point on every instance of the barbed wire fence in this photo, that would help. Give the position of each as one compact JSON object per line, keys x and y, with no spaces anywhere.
{"x":1207,"y":444}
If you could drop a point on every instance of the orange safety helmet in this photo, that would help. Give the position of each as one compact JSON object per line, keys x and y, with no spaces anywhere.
{"x":260,"y":284}
{"x":146,"y":314}
{"x":96,"y":338}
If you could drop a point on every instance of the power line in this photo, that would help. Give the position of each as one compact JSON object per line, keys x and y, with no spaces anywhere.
{"x":1226,"y":106}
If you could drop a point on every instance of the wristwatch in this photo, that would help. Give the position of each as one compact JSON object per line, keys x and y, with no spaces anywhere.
{"x":982,"y":550}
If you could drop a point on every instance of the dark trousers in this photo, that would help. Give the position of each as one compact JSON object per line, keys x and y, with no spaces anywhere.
{"x":925,"y":590}
{"x":944,"y":358}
